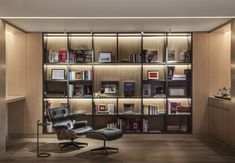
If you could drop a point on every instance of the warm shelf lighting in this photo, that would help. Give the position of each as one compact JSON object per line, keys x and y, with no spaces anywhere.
{"x":118,"y":17}
{"x":54,"y":99}
{"x":179,"y":99}
{"x":117,"y":65}
{"x":80,"y":99}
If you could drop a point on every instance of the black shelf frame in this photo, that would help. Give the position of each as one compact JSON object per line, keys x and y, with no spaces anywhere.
{"x":141,"y":63}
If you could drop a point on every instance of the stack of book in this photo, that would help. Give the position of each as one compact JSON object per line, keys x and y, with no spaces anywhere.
{"x":70,"y":90}
{"x":80,"y":75}
{"x":179,"y":77}
{"x":153,"y":110}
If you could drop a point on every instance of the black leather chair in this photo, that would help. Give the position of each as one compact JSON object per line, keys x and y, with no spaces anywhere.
{"x":66,"y":128}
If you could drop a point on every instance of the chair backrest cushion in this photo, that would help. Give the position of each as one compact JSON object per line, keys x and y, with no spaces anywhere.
{"x":68,"y":123}
{"x":59,"y":114}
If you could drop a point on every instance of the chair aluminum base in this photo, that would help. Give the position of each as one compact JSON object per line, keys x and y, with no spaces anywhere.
{"x":72,"y":143}
{"x":105,"y":149}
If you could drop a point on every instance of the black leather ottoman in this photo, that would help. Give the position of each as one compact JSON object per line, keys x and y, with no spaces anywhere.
{"x":105,"y":134}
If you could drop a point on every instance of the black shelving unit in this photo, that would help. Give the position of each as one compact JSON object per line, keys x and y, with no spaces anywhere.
{"x":167,"y":121}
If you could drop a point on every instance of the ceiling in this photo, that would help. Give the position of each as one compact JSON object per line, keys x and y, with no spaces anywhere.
{"x":117,"y":16}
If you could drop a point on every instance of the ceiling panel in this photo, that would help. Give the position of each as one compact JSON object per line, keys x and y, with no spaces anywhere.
{"x":116,"y":25}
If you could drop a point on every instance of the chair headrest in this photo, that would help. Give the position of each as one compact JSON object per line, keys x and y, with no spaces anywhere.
{"x":61,"y":113}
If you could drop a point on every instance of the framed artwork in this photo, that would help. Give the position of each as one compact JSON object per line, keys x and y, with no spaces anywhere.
{"x":78,"y":75}
{"x":128,"y":108}
{"x":177,"y":91}
{"x":101,"y":107}
{"x":153,"y":75}
{"x":158,"y":89}
{"x":146,"y":90}
{"x":57,"y":74}
{"x":150,"y":56}
{"x":170,"y":71}
{"x":105,"y":56}
{"x":110,"y":87}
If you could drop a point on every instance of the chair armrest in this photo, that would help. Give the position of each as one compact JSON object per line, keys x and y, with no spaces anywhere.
{"x":80,"y":124}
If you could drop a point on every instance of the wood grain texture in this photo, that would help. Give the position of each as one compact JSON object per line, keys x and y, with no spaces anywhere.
{"x":105,"y":44}
{"x":2,"y":87}
{"x":132,"y":148}
{"x":220,"y":59}
{"x":200,"y":83}
{"x":178,"y":44}
{"x":57,"y":43}
{"x":155,"y":43}
{"x":128,"y":46}
{"x":15,"y":61}
{"x":23,"y":115}
{"x":83,"y":43}
{"x":118,"y":73}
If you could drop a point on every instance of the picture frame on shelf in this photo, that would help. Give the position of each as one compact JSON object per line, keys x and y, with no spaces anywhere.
{"x":78,"y":75}
{"x":158,"y":90}
{"x":128,"y":108}
{"x":177,"y":91}
{"x":78,"y":90}
{"x":110,"y":87}
{"x":101,"y":107}
{"x":129,"y":89}
{"x":111,"y":108}
{"x":153,"y":74}
{"x":150,"y":56}
{"x":147,"y":90}
{"x":58,"y":74}
{"x":105,"y":57}
{"x":171,"y":56}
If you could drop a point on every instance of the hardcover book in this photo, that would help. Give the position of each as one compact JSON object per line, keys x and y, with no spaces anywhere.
{"x":63,"y":55}
{"x":129,"y":89}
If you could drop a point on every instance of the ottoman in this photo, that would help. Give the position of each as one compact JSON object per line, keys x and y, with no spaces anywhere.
{"x":105,"y":134}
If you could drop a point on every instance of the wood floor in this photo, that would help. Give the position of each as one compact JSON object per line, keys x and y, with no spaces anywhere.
{"x":132,"y":148}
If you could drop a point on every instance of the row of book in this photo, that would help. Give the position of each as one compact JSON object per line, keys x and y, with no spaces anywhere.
{"x":153,"y":110}
{"x":129,"y":125}
{"x":57,"y":56}
{"x":80,"y":75}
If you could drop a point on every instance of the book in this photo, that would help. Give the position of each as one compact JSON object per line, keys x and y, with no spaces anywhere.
{"x":170,"y":71}
{"x":171,"y":55}
{"x":63,"y":55}
{"x":129,"y":89}
{"x":146,"y":90}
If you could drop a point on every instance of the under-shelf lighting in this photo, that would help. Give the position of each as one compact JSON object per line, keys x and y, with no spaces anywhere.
{"x":105,"y":99}
{"x":55,"y":66}
{"x":80,"y":99}
{"x":153,"y":100}
{"x":179,"y":99}
{"x":105,"y":34}
{"x":129,"y":99}
{"x":117,"y":66}
{"x":54,"y":99}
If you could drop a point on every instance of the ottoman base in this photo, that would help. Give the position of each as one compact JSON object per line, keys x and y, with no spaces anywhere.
{"x":105,"y":149}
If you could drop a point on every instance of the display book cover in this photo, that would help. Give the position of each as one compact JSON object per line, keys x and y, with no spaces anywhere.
{"x":179,"y":108}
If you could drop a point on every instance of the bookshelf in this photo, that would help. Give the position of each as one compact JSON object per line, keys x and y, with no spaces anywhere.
{"x":138,"y":82}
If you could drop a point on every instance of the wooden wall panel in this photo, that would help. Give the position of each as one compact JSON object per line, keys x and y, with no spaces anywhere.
{"x":23,"y":115}
{"x":200,"y":83}
{"x":2,"y":87}
{"x":155,"y":43}
{"x":15,"y":61}
{"x":118,"y":73}
{"x":105,"y":44}
{"x":219,"y":57}
{"x":83,"y":43}
{"x":128,"y":46}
